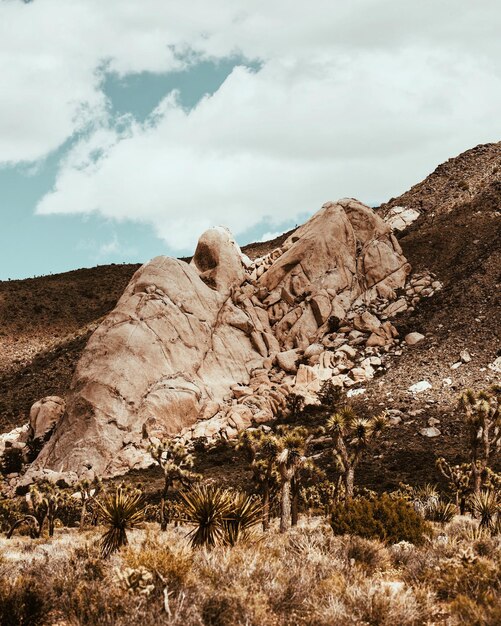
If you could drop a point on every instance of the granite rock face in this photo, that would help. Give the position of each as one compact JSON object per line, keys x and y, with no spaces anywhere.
{"x":212,"y":347}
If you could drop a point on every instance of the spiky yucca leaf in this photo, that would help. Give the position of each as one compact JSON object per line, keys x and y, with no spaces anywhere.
{"x":485,"y":505}
{"x":120,"y":511}
{"x":379,"y":422}
{"x":441,"y":512}
{"x":361,"y":430}
{"x":246,"y":513}
{"x":205,"y":507}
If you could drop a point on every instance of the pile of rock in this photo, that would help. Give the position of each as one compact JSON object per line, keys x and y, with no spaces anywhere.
{"x":210,"y":348}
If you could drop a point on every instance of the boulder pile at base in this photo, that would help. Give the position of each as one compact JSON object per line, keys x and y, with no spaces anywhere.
{"x":215,"y":346}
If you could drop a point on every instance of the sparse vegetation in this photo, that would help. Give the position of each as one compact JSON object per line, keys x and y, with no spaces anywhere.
{"x":402,"y":557}
{"x":351,"y":436}
{"x":120,"y":511}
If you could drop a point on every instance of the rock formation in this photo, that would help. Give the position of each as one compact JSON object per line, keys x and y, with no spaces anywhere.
{"x":210,"y":347}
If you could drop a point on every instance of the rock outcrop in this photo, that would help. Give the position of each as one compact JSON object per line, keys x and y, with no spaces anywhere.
{"x":213,"y":346}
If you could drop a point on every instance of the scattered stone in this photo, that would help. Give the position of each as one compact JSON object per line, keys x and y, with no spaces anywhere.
{"x":495,"y":366}
{"x":465,"y":356}
{"x":422,"y":385}
{"x":395,"y":307}
{"x":288,"y":360}
{"x":413,"y":338}
{"x":431,"y":432}
{"x":399,"y":217}
{"x":454,"y":366}
{"x":355,"y":392}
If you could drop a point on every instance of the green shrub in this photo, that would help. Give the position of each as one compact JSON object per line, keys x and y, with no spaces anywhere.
{"x":385,"y":518}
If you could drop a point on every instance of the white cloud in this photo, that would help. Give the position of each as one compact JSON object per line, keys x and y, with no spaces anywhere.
{"x":359,"y":98}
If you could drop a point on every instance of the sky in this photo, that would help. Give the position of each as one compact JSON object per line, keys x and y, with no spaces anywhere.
{"x":129,"y":128}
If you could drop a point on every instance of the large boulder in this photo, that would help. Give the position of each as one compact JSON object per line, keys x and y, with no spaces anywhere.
{"x":193,"y":341}
{"x":45,"y":415}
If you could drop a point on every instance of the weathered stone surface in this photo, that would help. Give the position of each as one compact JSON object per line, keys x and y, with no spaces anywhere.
{"x":367,"y":322}
{"x":288,"y":360}
{"x":45,"y":414}
{"x":399,"y":217}
{"x":199,"y":341}
{"x":430,"y":431}
{"x":413,"y":338}
{"x":422,"y":385}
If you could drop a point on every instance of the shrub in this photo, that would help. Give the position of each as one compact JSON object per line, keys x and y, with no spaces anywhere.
{"x":441,"y":512}
{"x":172,"y":568}
{"x":23,"y":602}
{"x":330,"y":395}
{"x":371,"y":555}
{"x":388,"y":519}
{"x":223,"y":610}
{"x":11,"y":461}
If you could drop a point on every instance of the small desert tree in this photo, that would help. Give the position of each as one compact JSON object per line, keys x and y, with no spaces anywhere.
{"x":86,"y":490}
{"x":483,"y":420}
{"x":289,"y":460}
{"x":459,"y":478}
{"x":351,"y":436}
{"x":176,"y":463}
{"x":261,"y":449}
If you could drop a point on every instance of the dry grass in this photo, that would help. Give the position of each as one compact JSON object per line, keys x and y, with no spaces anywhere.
{"x":306,"y":577}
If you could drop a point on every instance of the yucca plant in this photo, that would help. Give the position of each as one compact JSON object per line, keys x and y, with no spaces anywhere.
{"x":176,"y":464}
{"x":86,"y":490}
{"x":246,"y":513}
{"x":441,"y":512}
{"x":485,"y":505}
{"x":219,"y":516}
{"x":425,"y":499}
{"x":205,"y":507}
{"x":261,"y":449}
{"x":482,"y":416}
{"x":120,"y":511}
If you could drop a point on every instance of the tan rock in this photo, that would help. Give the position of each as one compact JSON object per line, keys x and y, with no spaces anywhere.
{"x":367,"y":322}
{"x":288,"y":360}
{"x":45,"y":414}
{"x":376,"y":340}
{"x":414,"y":338}
{"x":182,"y":336}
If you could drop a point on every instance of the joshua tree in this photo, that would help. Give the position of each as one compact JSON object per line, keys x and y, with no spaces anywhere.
{"x":86,"y":490}
{"x":289,"y":461}
{"x":351,"y":436}
{"x":483,"y":419}
{"x":120,"y":511}
{"x":329,"y":395}
{"x":176,"y":464}
{"x":54,"y":498}
{"x":459,"y":477}
{"x":261,"y":449}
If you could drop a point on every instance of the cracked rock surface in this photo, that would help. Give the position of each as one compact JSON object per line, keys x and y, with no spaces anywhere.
{"x":212,"y":346}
